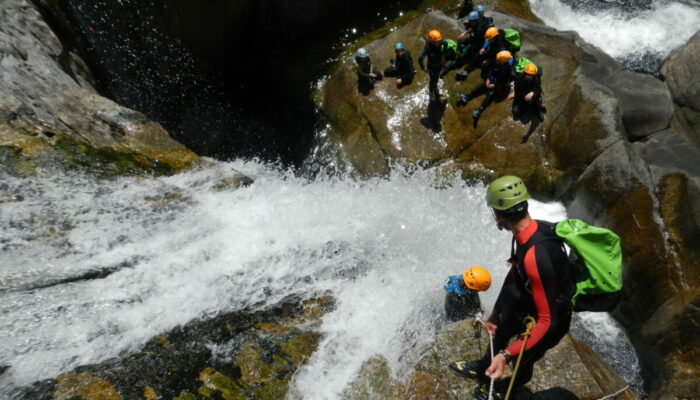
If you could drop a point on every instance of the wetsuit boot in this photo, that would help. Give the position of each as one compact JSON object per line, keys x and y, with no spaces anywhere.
{"x":470,"y":369}
{"x":476,"y":114}
{"x":463,"y":99}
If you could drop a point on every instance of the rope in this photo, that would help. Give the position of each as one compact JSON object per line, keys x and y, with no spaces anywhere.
{"x":529,"y":324}
{"x":615,"y":394}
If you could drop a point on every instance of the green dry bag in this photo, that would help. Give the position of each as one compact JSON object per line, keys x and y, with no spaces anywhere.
{"x":513,"y":39}
{"x":596,"y":264}
{"x":521,"y":64}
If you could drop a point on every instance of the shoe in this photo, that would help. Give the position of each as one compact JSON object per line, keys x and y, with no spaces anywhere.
{"x":540,"y":116}
{"x":463,"y":99}
{"x":481,"y":392}
{"x":469,"y":369}
{"x":476,"y":114}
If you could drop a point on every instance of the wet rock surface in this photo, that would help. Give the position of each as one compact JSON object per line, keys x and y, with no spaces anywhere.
{"x":49,"y":107}
{"x":240,"y":355}
{"x":680,"y":71}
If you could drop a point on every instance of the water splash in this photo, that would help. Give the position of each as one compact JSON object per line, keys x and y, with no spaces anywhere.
{"x":640,"y":36}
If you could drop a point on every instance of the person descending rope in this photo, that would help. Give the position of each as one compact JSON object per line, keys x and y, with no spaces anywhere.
{"x":498,"y":82}
{"x":527,"y":93}
{"x":367,"y":75}
{"x":539,"y":285}
{"x":462,"y":298}
{"x":401,"y":66}
{"x":442,"y":55}
{"x":470,"y":42}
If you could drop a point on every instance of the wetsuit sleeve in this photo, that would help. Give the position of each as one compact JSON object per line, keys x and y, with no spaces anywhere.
{"x":486,"y":45}
{"x":540,"y":272}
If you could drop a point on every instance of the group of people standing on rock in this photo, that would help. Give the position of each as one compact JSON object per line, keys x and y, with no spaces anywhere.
{"x":481,"y":45}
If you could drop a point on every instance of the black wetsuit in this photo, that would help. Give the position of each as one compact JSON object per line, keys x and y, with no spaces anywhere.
{"x":402,"y":68}
{"x":364,"y":68}
{"x":473,"y":42}
{"x":523,"y":86}
{"x":440,"y":59}
{"x":492,"y":48}
{"x":501,"y":75}
{"x":538,"y":284}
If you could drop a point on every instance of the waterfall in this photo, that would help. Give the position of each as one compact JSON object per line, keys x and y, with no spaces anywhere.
{"x":638,"y":33}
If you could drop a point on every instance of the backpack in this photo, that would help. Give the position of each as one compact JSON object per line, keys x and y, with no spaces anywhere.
{"x":594,"y":262}
{"x":512,"y":40}
{"x":449,"y":45}
{"x":521,"y":64}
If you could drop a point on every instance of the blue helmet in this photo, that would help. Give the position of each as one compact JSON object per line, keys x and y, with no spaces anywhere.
{"x":362,"y":53}
{"x":473,"y":16}
{"x":398,"y":46}
{"x":480,"y":9}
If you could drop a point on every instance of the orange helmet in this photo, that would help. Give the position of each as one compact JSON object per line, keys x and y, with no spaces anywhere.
{"x":503,"y":56}
{"x":530,"y":69}
{"x":491,"y":33}
{"x":434,"y":36}
{"x":477,"y":278}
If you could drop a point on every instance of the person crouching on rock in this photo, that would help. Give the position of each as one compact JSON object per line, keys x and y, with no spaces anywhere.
{"x":496,"y":84}
{"x":462,"y":298}
{"x":401,"y":66}
{"x":367,"y":75}
{"x":527,"y":94}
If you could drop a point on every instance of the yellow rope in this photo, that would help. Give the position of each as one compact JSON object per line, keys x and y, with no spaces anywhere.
{"x":529,"y":324}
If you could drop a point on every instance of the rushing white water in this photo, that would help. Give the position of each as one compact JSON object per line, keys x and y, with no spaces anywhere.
{"x":626,"y":34}
{"x":179,"y":249}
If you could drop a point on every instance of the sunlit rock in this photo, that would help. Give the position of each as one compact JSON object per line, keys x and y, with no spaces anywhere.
{"x":45,"y":104}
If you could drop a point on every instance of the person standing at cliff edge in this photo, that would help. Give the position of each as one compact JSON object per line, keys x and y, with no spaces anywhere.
{"x":538,"y":285}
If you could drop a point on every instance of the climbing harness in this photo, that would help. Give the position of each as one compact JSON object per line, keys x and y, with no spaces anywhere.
{"x":529,"y":324}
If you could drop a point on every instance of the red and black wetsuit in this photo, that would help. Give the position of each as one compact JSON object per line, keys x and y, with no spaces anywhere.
{"x":539,"y":285}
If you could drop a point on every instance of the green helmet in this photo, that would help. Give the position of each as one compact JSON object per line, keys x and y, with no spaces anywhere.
{"x":506,"y":192}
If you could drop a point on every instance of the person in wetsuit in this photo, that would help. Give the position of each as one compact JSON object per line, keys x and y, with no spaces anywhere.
{"x":471,"y":41}
{"x":367,"y":75}
{"x":401,"y":66}
{"x":494,"y":43}
{"x":538,"y":284}
{"x":442,"y":56}
{"x":527,"y":93}
{"x":462,"y":298}
{"x":497,"y":84}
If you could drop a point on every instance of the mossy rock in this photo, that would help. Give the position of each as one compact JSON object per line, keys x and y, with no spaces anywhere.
{"x":84,"y":386}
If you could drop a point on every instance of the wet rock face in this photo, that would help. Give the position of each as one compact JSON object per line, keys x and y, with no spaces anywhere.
{"x":680,"y":70}
{"x":44,"y":103}
{"x":233,"y":356}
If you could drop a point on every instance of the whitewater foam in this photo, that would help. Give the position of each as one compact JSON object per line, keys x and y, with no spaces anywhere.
{"x":623,"y":34}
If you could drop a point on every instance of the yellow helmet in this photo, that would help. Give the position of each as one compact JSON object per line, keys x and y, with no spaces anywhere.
{"x":477,"y":278}
{"x":503,"y":56}
{"x":530,"y":69}
{"x":491,"y":33}
{"x":434,"y":36}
